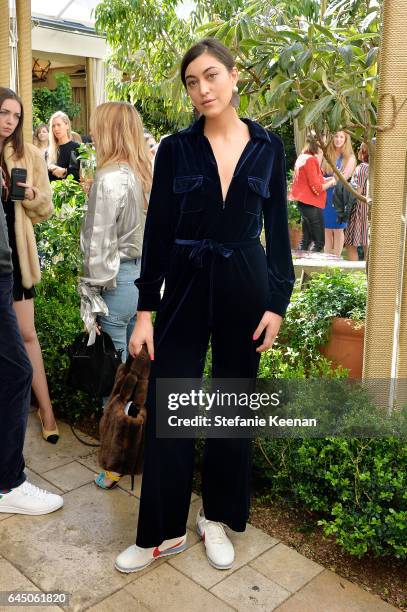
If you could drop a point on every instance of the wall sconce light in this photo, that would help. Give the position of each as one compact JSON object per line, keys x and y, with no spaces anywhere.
{"x":40,"y":69}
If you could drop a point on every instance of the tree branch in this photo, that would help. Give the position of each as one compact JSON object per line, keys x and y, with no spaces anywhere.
{"x":272,"y":112}
{"x":297,"y":82}
{"x":251,"y":72}
{"x":170,"y":44}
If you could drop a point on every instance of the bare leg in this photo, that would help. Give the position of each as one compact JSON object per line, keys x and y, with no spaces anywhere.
{"x":352,"y":253}
{"x":329,"y":241}
{"x":339,"y":239}
{"x":25,"y":316}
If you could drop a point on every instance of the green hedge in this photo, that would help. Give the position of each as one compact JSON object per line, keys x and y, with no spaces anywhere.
{"x":57,"y":305}
{"x":358,"y":487}
{"x":58,"y":322}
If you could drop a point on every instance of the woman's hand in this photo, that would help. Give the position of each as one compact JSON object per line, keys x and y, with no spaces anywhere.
{"x":29,"y":191}
{"x":86,"y":185}
{"x":270,"y":322}
{"x":329,"y":182}
{"x":58,"y":172}
{"x":142,"y":334}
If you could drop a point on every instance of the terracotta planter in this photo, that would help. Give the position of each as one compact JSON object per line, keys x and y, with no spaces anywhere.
{"x":345,"y":346}
{"x":295,"y":236}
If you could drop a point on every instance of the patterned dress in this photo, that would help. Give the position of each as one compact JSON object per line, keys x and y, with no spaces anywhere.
{"x":357,"y":232}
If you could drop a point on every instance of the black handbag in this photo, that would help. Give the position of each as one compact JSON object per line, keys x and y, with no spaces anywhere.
{"x":93,"y":368}
{"x":343,"y":201}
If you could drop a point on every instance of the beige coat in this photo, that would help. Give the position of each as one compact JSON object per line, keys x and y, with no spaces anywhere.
{"x":28,"y":212}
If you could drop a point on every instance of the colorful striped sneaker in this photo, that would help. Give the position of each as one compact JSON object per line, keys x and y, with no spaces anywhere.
{"x":135,"y":558}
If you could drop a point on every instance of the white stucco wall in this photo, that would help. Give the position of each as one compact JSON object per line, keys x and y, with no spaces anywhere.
{"x":67,"y":43}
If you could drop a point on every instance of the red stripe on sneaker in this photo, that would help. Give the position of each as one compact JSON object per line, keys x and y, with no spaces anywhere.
{"x":157,"y":552}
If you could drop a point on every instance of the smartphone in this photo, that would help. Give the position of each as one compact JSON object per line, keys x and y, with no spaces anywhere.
{"x":18,"y":175}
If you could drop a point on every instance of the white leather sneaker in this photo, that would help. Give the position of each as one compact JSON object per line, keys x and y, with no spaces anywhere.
{"x":219,"y":549}
{"x":135,"y":558}
{"x":29,"y":499}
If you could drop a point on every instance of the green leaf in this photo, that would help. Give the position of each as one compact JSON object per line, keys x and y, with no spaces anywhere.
{"x":314,"y":110}
{"x":357,"y":109}
{"x":253,"y":8}
{"x":347,"y":54}
{"x":223,"y":31}
{"x":286,"y":55}
{"x":276,"y":81}
{"x":230,"y":36}
{"x":371,"y":57}
{"x":360,"y":37}
{"x":280,"y":119}
{"x":244,"y":26}
{"x":212,"y":25}
{"x":369,"y":19}
{"x":286,"y":32}
{"x":324,"y":79}
{"x":244,"y":103}
{"x":335,"y":117}
{"x":279,"y":91}
{"x":326,"y":31}
{"x":302,"y":58}
{"x":250,"y":43}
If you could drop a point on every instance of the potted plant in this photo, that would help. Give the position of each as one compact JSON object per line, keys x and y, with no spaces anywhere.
{"x":294,"y":224}
{"x":327,"y":317}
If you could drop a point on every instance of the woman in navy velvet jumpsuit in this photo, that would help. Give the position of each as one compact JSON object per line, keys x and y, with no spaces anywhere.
{"x":214,"y":185}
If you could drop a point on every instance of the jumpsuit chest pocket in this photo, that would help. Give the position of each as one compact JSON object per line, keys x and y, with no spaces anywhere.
{"x":257,"y":191}
{"x":190,"y":191}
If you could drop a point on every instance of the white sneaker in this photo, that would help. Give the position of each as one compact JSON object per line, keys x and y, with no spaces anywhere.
{"x":219,"y":549}
{"x":135,"y":558}
{"x":29,"y":499}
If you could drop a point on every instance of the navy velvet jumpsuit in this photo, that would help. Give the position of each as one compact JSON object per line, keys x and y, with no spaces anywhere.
{"x":219,"y":281}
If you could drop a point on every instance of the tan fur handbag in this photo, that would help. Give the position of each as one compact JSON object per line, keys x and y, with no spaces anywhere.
{"x":121,"y":434}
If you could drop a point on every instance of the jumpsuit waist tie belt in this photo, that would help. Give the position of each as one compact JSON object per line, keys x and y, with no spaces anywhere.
{"x":199,"y":248}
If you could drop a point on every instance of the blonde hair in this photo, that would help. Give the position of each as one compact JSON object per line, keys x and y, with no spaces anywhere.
{"x":119,"y":136}
{"x":346,"y":152}
{"x":76,"y":137}
{"x":53,"y":145}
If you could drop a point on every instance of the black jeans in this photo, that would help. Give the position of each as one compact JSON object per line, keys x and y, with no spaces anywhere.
{"x":15,"y":388}
{"x":313,"y":228}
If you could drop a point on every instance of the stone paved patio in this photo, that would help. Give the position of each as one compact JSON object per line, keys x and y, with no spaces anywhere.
{"x":73,"y":550}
